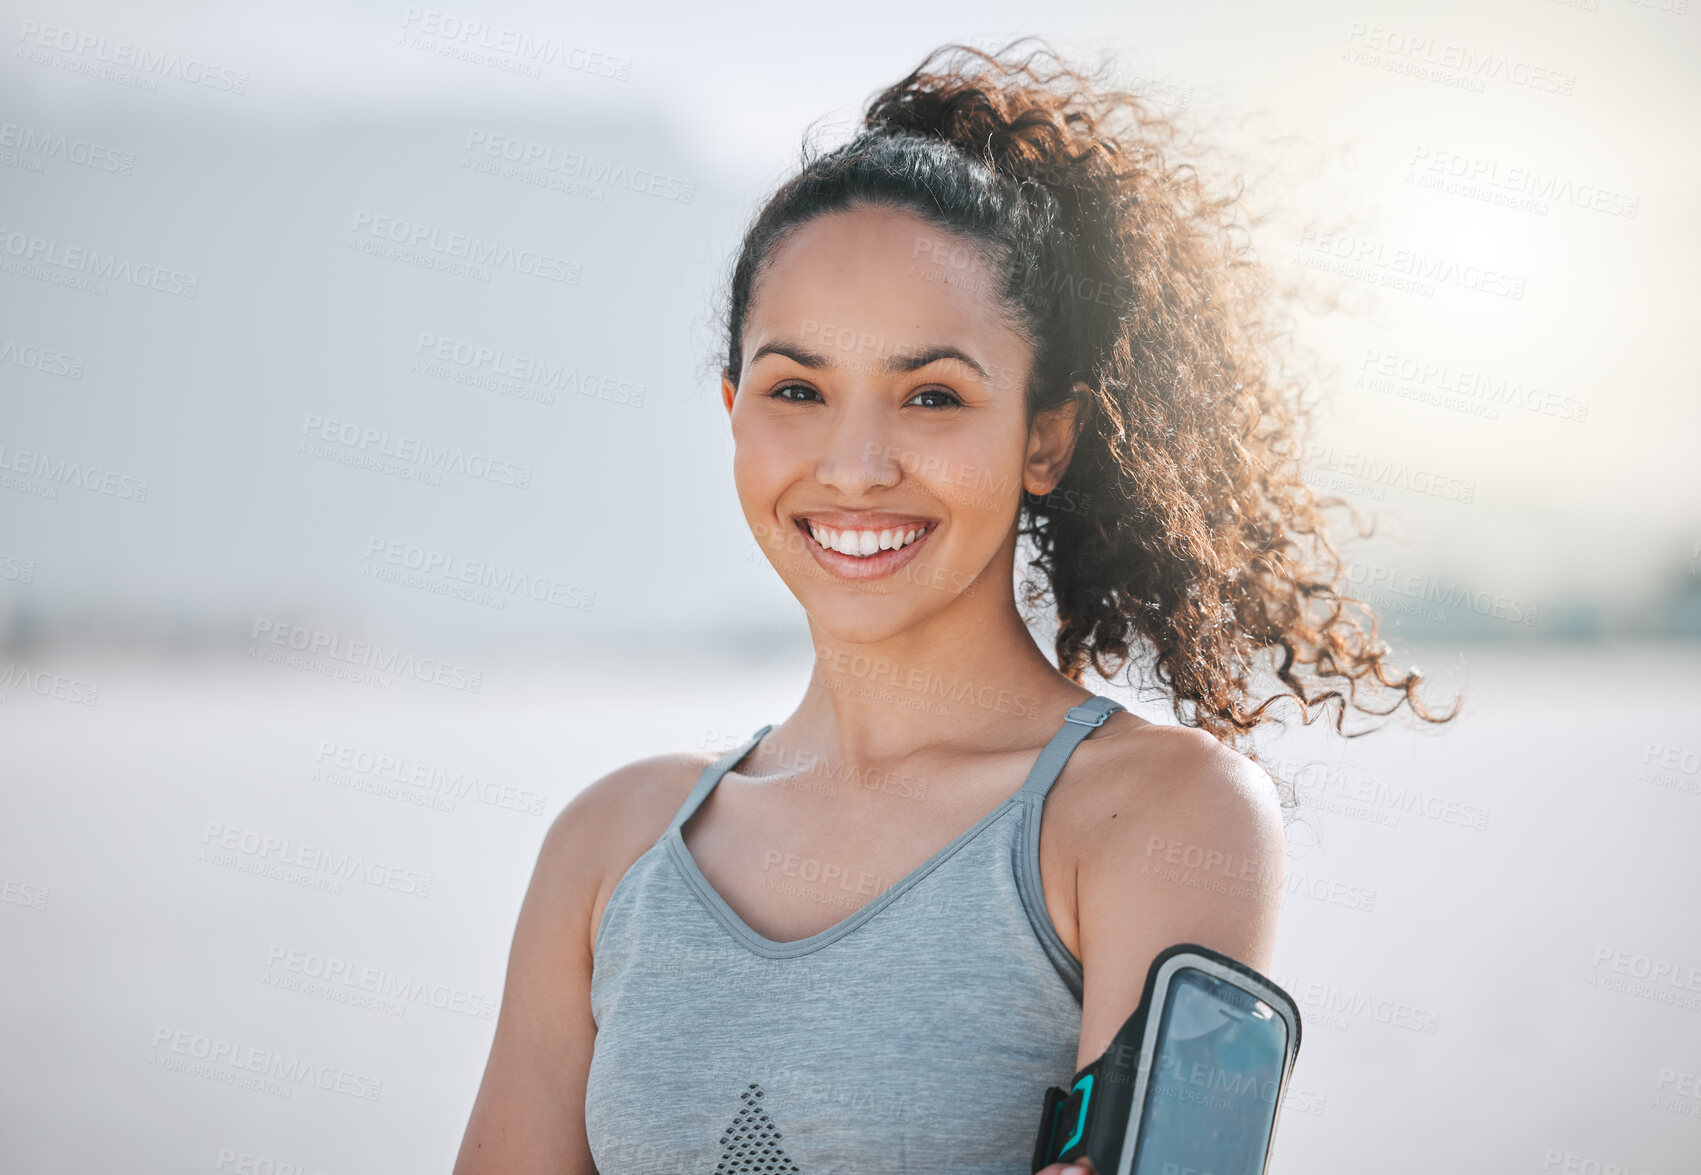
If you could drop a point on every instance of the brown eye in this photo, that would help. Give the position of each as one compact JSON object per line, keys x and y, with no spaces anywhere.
{"x":949,"y":398}
{"x":776,"y":393}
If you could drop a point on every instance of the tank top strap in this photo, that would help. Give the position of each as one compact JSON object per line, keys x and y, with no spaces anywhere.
{"x":1078,"y":723}
{"x":712,"y":775}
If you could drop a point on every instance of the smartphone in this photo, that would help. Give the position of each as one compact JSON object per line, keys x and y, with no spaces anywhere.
{"x":1193,"y":1082}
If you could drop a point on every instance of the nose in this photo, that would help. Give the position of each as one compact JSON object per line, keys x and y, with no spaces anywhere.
{"x":859,"y":454}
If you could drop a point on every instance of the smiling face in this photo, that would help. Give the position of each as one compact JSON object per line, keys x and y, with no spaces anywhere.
{"x":880,"y":423}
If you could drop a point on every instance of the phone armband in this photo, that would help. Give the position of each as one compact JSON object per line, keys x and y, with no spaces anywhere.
{"x":1101,"y":1115}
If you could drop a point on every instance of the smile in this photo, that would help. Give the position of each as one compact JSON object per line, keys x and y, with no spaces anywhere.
{"x":863,"y":554}
{"x":864,"y":544}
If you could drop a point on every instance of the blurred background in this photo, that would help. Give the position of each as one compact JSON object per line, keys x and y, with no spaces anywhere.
{"x":317,"y":537}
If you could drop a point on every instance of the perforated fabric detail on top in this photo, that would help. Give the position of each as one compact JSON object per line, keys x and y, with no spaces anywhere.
{"x":751,"y":1144}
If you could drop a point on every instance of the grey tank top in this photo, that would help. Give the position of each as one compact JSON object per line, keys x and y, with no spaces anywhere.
{"x":916,"y":1034}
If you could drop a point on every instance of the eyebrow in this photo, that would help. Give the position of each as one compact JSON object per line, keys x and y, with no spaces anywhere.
{"x":898,"y":363}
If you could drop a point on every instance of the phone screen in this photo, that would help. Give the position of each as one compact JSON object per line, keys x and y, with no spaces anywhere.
{"x":1211,"y":1098}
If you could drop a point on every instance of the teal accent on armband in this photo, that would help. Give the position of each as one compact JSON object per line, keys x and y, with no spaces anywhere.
{"x":1086,"y":1086}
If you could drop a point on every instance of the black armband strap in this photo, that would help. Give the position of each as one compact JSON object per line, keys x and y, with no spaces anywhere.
{"x":1091,"y":1118}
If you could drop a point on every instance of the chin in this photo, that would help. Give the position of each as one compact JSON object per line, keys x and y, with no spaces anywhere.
{"x":864,"y":622}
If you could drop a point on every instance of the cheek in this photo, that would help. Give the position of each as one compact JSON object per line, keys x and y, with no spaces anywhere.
{"x":980,"y":478}
{"x":760,"y":465}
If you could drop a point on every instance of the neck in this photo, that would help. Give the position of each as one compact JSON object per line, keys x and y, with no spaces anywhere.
{"x":969,"y":675}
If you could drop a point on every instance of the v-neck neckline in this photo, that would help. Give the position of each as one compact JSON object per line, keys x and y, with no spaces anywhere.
{"x":1047,"y":763}
{"x":774,"y":948}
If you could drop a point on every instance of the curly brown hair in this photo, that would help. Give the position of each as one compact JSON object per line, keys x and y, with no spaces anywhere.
{"x":1124,"y":273}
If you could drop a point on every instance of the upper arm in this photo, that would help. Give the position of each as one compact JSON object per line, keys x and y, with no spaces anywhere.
{"x":1189,"y":848}
{"x":529,"y":1115}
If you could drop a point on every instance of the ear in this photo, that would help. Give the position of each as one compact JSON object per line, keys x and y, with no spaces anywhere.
{"x":1051,"y":443}
{"x":728,"y":389}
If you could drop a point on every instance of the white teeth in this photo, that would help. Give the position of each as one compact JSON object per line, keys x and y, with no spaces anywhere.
{"x":863,"y":543}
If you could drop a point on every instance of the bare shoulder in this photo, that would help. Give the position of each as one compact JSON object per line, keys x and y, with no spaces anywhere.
{"x":528,"y":1116}
{"x":1178,"y":838}
{"x":608,"y":825}
{"x":1168,"y":778}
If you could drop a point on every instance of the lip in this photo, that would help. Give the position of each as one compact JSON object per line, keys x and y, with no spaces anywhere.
{"x":876,"y":566}
{"x":866,"y":520}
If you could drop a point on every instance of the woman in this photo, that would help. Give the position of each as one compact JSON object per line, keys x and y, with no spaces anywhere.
{"x":850,"y":943}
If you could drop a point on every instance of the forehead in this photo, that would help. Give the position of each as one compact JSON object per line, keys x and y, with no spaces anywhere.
{"x":880,"y":274}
